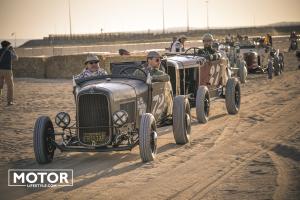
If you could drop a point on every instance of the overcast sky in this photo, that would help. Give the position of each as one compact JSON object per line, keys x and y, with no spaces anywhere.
{"x":38,"y":18}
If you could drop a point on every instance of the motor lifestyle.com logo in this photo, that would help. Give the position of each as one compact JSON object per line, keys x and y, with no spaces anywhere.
{"x":36,"y":178}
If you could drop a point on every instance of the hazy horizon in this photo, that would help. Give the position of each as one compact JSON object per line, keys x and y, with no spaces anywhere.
{"x":169,"y":30}
{"x":35,"y":19}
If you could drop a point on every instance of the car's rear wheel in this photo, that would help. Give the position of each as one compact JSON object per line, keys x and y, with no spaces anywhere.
{"x":242,"y":72}
{"x":181,"y":120}
{"x":281,"y":58}
{"x":276,"y":67}
{"x":280,"y":68}
{"x":148,"y":138}
{"x":43,"y":138}
{"x":276,"y":72}
{"x":202,"y":104}
{"x":233,"y":96}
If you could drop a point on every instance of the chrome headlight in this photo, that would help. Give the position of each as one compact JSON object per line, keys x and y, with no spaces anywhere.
{"x":62,"y":119}
{"x":120,"y":118}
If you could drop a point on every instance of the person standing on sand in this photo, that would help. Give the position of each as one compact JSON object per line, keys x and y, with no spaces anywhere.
{"x":7,"y":55}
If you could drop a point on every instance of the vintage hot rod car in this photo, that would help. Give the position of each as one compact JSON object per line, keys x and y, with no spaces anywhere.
{"x":114,"y":113}
{"x":203,"y":81}
{"x":260,"y":58}
{"x":236,"y":60}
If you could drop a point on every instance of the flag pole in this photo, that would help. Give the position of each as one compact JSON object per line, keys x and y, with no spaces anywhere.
{"x":70,"y":22}
{"x":15,"y":40}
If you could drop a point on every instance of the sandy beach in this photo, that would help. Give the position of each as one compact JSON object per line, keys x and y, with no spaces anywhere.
{"x":252,"y":155}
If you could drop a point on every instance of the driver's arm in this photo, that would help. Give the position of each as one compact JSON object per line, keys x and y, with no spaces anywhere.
{"x":160,"y":76}
{"x":215,"y":56}
{"x":138,"y":73}
{"x":210,"y":56}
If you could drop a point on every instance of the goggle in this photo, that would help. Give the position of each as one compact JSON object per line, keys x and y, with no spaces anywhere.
{"x":93,"y":62}
{"x":156,"y":59}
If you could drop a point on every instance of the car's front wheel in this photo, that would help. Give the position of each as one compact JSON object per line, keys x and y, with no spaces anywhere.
{"x":43,"y":138}
{"x":181,"y":120}
{"x":276,"y":67}
{"x":243,"y":72}
{"x":233,"y":96}
{"x":202,"y":104}
{"x":148,"y":138}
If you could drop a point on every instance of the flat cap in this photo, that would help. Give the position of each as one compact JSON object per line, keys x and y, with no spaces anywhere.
{"x":153,"y":54}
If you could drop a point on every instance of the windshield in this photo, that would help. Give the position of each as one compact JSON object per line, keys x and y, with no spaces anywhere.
{"x":117,"y":67}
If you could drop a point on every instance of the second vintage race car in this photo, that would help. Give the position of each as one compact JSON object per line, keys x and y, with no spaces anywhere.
{"x":203,"y":80}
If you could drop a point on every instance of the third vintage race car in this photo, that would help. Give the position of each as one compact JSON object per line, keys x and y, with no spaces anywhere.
{"x":261,"y":59}
{"x":114,"y":113}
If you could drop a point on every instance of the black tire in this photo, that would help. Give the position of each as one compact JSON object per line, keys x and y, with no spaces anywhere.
{"x":148,"y":138}
{"x":280,"y":68}
{"x":233,"y":96}
{"x":281,"y":57}
{"x":181,"y":119}
{"x":270,"y":70}
{"x":202,"y":104}
{"x":243,"y":73}
{"x":276,"y":67}
{"x":43,"y":135}
{"x":294,"y":46}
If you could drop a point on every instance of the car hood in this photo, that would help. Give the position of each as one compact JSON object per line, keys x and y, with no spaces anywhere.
{"x":118,"y":89}
{"x":186,"y":61}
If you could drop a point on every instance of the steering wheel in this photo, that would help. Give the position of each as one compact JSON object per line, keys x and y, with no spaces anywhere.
{"x":125,"y":70}
{"x":195,"y":50}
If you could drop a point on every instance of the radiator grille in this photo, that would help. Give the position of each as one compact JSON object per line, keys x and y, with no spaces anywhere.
{"x":172,"y":73}
{"x":93,"y":112}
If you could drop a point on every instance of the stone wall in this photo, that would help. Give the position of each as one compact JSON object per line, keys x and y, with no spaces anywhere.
{"x":63,"y":66}
{"x":30,"y":67}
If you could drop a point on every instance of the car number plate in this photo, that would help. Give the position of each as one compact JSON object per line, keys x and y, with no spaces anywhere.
{"x":96,"y":138}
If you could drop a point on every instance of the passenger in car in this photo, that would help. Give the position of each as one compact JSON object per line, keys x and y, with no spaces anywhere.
{"x":178,"y":45}
{"x":92,"y":67}
{"x":174,"y":39}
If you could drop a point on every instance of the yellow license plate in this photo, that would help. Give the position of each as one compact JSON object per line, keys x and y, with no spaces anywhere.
{"x":94,"y":137}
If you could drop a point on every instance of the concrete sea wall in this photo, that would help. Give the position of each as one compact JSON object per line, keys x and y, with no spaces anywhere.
{"x":63,"y":66}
